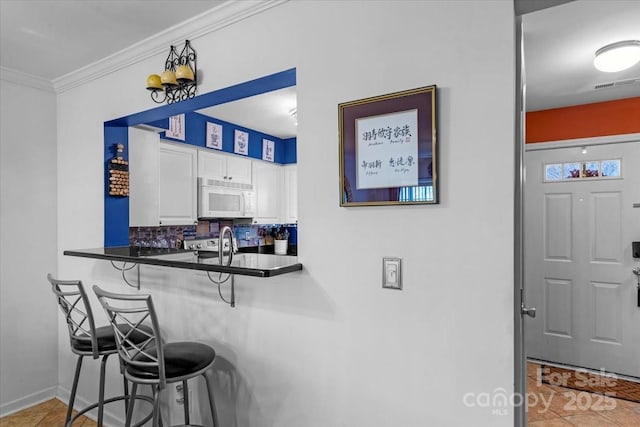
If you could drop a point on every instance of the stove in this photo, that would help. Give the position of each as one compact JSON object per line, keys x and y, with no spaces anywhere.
{"x":208,"y":245}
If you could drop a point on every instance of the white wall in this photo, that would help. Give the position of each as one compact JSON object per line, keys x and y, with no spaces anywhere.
{"x":28,"y":245}
{"x":328,"y":346}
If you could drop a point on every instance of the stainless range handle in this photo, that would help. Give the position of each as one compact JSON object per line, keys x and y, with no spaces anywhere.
{"x":226,"y":229}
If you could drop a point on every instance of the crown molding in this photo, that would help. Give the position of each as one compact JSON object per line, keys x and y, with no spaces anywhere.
{"x":212,"y":20}
{"x":583,"y":142}
{"x":24,"y":79}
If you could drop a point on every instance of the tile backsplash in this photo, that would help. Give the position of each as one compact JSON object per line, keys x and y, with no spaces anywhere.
{"x":247,"y":235}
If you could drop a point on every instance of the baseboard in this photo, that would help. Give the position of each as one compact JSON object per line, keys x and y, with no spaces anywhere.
{"x":27,"y":401}
{"x":109,"y":417}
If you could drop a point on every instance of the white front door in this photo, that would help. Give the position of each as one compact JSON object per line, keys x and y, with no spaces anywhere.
{"x":578,"y":261}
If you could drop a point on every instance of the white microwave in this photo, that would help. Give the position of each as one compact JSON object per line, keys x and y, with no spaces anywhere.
{"x":219,"y":199}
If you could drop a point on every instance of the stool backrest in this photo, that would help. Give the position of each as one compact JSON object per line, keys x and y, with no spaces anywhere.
{"x":129,"y":314}
{"x":74,"y":303}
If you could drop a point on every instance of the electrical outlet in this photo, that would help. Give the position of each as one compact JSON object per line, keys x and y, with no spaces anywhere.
{"x":180,"y":396}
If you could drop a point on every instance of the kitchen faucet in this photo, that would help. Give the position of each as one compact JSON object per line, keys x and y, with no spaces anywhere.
{"x":226,"y":229}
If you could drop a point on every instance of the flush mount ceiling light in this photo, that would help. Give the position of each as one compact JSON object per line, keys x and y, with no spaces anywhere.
{"x":617,"y":56}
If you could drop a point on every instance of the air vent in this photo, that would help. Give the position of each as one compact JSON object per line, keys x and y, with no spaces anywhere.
{"x":618,"y":83}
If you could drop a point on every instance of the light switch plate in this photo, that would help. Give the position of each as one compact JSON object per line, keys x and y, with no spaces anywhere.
{"x":392,"y":273}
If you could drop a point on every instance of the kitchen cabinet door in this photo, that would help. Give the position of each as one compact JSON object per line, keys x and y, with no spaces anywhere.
{"x":239,"y":169}
{"x":290,"y":173}
{"x":143,"y":178}
{"x":224,"y":167}
{"x":178,"y":184}
{"x":212,"y":165}
{"x":267,"y":184}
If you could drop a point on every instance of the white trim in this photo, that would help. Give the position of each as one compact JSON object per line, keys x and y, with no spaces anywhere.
{"x":109,"y":419}
{"x":212,"y":20}
{"x":579,"y":142}
{"x":24,"y":79}
{"x":27,"y":401}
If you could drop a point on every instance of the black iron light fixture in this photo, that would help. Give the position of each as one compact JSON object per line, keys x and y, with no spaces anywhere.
{"x":178,"y":81}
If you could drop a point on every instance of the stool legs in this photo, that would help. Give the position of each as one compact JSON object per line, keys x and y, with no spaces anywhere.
{"x":132,"y":396}
{"x":156,"y":405}
{"x":157,"y":416}
{"x":208,"y":376}
{"x":185,"y":401}
{"x":74,"y":388}
{"x":101,"y":399}
{"x":125,"y":386}
{"x":101,"y":391}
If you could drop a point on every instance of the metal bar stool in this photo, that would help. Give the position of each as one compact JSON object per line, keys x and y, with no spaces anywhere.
{"x":154,"y":362}
{"x":87,"y":340}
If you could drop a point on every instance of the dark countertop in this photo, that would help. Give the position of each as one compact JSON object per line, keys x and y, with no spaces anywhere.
{"x":268,"y":249}
{"x":244,"y":264}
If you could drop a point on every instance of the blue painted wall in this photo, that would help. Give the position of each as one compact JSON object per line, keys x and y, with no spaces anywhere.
{"x":116,"y":209}
{"x":289,"y":151}
{"x":196,"y":129}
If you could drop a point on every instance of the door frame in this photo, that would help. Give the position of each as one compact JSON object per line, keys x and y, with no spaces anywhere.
{"x":522,"y":7}
{"x":520,"y":362}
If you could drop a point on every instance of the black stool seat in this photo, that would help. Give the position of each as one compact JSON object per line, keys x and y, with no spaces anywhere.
{"x":106,"y":340}
{"x":180,"y":359}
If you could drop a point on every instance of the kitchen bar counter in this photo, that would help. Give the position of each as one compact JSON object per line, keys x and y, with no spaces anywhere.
{"x":244,"y":264}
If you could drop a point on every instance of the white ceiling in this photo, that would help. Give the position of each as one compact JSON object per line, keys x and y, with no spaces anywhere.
{"x":269,"y":112}
{"x":51,"y":39}
{"x":560,"y":44}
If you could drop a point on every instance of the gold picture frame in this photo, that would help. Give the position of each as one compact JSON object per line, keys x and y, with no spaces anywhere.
{"x":388,"y":149}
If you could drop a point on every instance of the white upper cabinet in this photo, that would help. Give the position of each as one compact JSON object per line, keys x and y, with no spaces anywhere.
{"x":178,"y":204}
{"x":290,"y":204}
{"x":223,"y":167}
{"x":267,"y":184}
{"x":239,"y":169}
{"x":143,"y":178}
{"x":162,"y":181}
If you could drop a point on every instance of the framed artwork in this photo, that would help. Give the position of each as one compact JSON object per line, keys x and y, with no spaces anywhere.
{"x":214,"y":136}
{"x":268,"y":150}
{"x":176,"y":127}
{"x":388,"y":152}
{"x":241,"y":143}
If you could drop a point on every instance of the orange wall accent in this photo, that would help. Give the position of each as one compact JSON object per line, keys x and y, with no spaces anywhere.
{"x":584,"y":121}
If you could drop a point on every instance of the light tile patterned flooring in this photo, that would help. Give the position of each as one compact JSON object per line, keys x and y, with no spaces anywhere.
{"x":51,"y":413}
{"x":554,"y":406}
